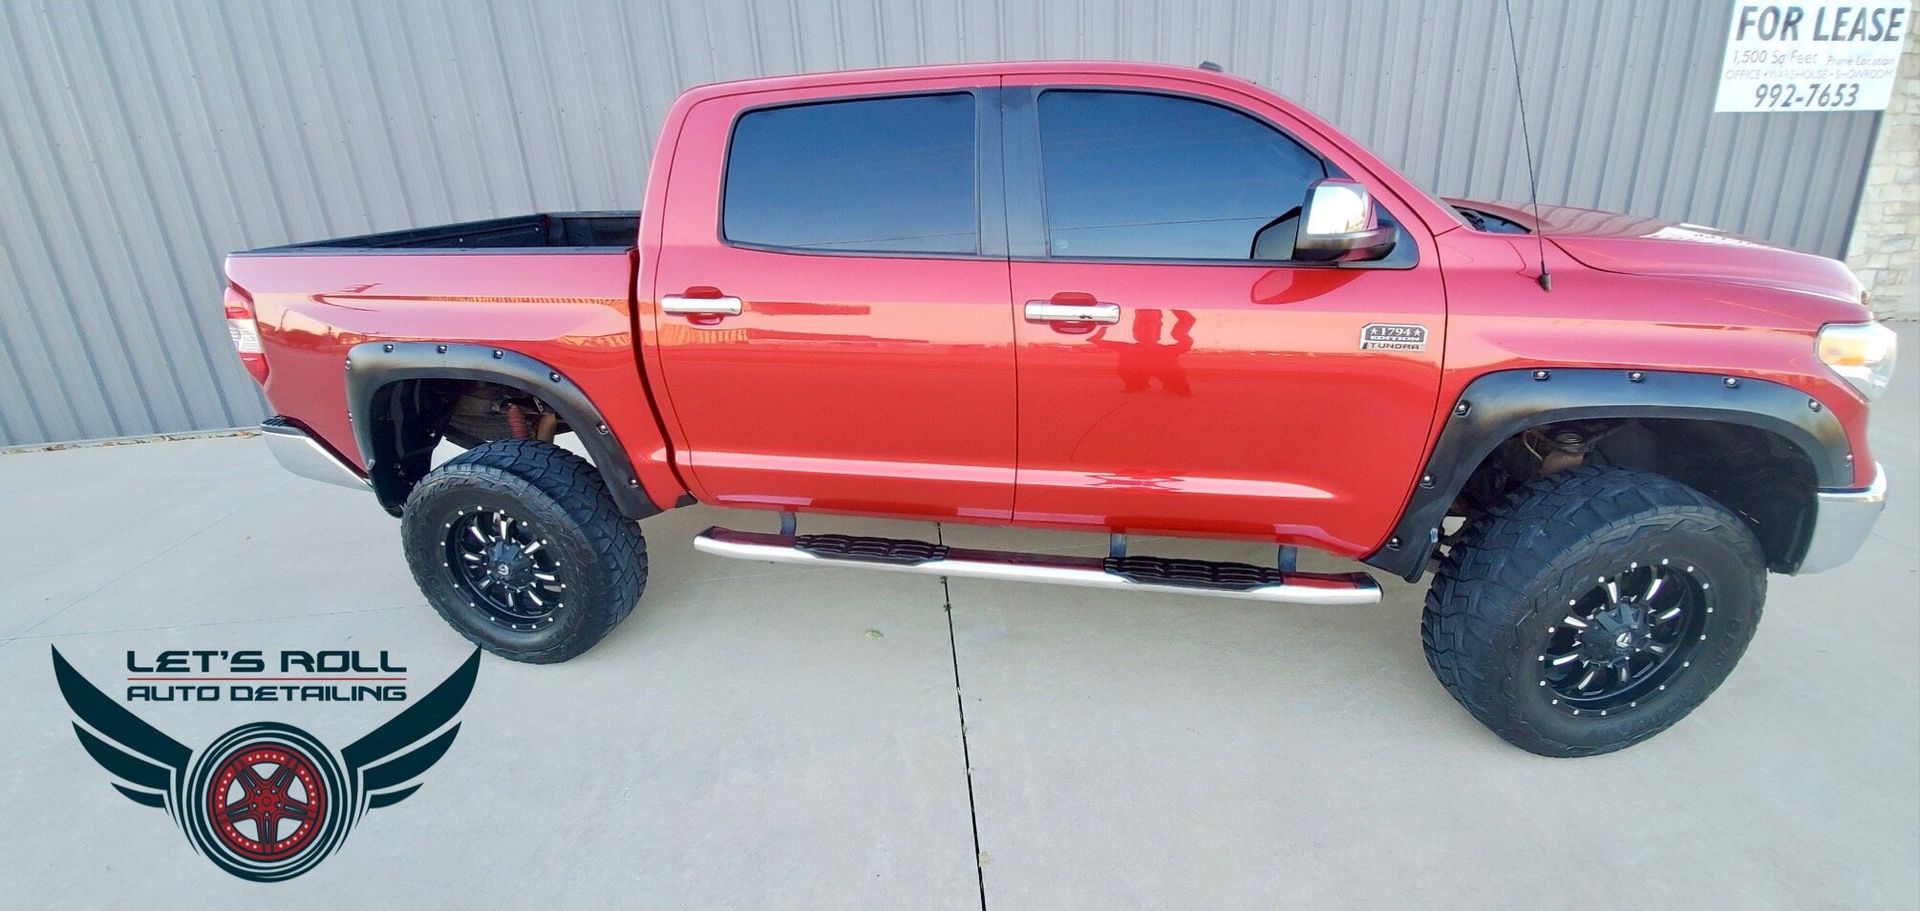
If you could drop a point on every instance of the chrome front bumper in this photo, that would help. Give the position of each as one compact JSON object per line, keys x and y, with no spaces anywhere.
{"x":303,"y":455}
{"x":1841,"y":522}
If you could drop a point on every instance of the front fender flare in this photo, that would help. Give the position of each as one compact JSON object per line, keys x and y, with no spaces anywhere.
{"x":376,"y":366}
{"x":1498,"y":405}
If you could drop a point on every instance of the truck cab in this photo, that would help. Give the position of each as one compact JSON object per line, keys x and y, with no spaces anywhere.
{"x":1037,"y":299}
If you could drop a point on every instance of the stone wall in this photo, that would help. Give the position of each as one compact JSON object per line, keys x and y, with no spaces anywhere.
{"x":1885,"y":247}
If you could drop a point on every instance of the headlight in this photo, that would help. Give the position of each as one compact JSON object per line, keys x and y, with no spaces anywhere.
{"x":1862,"y":353}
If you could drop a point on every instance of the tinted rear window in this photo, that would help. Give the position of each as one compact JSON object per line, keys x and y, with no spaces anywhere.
{"x":888,"y":175}
{"x":1143,"y":176}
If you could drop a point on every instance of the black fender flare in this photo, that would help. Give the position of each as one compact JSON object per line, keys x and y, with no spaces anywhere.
{"x":1498,"y":405}
{"x":373,"y":367}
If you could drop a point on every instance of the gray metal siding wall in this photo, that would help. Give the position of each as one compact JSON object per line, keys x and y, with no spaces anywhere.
{"x":143,"y":140}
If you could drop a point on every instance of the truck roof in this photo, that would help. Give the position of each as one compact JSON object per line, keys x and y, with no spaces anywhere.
{"x":951,"y":70}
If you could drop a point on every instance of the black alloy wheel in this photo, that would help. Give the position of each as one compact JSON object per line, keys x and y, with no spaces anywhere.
{"x":1621,"y":641}
{"x":506,"y":567}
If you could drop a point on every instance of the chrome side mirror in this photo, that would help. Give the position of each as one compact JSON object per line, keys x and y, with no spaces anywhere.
{"x":1339,"y":224}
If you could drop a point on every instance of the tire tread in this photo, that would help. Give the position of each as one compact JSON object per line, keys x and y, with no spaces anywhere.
{"x":1497,"y":564}
{"x":576,"y":488}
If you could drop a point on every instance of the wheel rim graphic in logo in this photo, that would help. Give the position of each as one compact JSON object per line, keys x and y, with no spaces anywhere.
{"x":266,"y":801}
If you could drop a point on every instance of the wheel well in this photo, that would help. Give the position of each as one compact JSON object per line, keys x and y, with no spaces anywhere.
{"x":410,"y":417}
{"x":405,"y":397}
{"x":1759,"y":475}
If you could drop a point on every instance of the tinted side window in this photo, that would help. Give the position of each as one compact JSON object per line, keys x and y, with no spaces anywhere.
{"x":892,"y":175}
{"x":1142,"y":176}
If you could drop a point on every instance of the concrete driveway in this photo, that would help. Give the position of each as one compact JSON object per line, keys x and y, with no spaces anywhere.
{"x":759,"y":736}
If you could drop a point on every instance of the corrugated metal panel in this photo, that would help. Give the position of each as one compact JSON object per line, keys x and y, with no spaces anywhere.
{"x":144,"y":140}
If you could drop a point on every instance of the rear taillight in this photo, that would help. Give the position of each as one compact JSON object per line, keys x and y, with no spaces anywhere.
{"x":245,"y":332}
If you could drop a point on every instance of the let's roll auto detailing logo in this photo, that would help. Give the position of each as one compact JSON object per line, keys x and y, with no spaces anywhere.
{"x":265,"y":801}
{"x":254,"y":675}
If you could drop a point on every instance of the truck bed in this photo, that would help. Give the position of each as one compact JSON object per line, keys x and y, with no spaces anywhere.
{"x":556,"y":231}
{"x":555,"y":287}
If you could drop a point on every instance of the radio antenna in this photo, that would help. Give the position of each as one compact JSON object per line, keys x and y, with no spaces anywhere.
{"x":1526,"y":141}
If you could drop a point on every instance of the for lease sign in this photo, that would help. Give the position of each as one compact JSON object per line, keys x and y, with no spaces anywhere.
{"x":1811,"y":56}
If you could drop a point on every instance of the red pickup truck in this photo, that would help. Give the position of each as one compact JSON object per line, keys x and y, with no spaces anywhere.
{"x":1111,"y":298}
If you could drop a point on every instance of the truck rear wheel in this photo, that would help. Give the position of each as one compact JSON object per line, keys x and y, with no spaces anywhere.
{"x":1593,"y":609}
{"x":518,"y":545}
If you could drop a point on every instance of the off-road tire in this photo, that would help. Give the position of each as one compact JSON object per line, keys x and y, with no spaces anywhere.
{"x":1508,"y":580}
{"x":556,"y":492}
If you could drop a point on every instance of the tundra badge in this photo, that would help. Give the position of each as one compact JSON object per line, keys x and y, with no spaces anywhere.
{"x":1393,"y":337}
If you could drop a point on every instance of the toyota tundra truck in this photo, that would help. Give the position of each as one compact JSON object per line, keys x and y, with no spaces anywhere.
{"x":1098,"y":297}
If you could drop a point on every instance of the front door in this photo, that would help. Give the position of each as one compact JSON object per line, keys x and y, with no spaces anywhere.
{"x":832,"y":320}
{"x":1178,"y":371}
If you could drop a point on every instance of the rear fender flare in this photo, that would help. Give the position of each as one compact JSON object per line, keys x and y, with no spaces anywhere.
{"x":1498,"y":405}
{"x":375,"y":366}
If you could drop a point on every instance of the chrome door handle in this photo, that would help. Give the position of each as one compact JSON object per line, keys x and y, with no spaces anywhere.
{"x":1049,"y":312}
{"x":700,"y":306}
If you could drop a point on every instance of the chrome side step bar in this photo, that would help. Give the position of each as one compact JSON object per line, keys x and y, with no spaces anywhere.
{"x":1134,"y":574}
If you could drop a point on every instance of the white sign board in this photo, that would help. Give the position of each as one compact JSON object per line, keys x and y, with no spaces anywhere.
{"x":1819,"y":55}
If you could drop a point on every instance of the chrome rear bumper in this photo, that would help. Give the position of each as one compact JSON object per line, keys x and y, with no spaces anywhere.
{"x":1841,"y":522}
{"x":303,"y":455}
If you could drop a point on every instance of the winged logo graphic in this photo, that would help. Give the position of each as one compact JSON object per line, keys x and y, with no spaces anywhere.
{"x":266,"y":801}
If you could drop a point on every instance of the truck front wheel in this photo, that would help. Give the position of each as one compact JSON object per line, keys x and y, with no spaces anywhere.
{"x":1593,"y":609}
{"x":519,"y":546}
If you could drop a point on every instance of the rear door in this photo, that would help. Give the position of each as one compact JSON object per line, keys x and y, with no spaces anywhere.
{"x":1178,"y":370}
{"x":833,"y":326}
